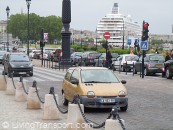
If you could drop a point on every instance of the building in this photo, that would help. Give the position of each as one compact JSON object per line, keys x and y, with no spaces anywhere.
{"x":121,"y":28}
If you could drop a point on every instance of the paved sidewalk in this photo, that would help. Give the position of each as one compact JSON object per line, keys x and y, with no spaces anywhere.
{"x":15,"y":115}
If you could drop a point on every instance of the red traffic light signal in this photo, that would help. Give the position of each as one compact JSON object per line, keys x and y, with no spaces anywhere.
{"x":145,"y":26}
{"x":145,"y":31}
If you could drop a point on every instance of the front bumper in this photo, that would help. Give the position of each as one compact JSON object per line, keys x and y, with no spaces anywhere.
{"x":22,"y":70}
{"x":155,"y":70}
{"x":100,"y":102}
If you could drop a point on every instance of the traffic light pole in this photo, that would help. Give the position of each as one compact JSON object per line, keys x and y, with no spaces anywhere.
{"x":143,"y":64}
{"x":106,"y":53}
{"x":41,"y":44}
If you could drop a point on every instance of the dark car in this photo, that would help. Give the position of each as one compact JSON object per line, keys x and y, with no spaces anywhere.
{"x":89,"y":56}
{"x":18,"y":63}
{"x":1,"y":56}
{"x":153,"y":63}
{"x":167,"y":71}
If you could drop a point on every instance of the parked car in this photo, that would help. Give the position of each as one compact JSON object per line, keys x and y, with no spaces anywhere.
{"x":76,"y":58}
{"x":97,"y":87}
{"x":153,"y":63}
{"x":167,"y":70}
{"x":101,"y":61}
{"x":18,"y":63}
{"x":1,"y":56}
{"x":124,"y":62}
{"x":89,"y":56}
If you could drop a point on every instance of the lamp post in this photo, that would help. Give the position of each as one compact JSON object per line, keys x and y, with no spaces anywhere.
{"x":28,"y":2}
{"x":96,"y":38}
{"x":123,"y":36}
{"x":7,"y":10}
{"x":81,"y":38}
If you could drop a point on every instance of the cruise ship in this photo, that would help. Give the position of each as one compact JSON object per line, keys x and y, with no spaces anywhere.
{"x":121,"y":28}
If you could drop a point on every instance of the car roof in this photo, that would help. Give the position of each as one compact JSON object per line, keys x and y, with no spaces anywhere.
{"x":17,"y":53}
{"x":88,"y":68}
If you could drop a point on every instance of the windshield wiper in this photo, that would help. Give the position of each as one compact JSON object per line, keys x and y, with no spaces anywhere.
{"x":96,"y":82}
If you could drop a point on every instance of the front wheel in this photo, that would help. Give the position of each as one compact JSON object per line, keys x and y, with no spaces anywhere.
{"x":124,"y":108}
{"x":64,"y":100}
{"x":168,"y":75}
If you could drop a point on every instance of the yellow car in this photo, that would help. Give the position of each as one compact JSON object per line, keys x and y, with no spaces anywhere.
{"x":97,"y":87}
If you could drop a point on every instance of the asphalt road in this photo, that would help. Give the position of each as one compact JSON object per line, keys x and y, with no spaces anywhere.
{"x":150,"y":102}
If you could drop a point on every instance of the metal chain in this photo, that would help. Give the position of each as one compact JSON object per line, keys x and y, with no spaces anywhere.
{"x":87,"y":121}
{"x":38,"y":95}
{"x":24,"y":88}
{"x":120,"y":121}
{"x":64,"y":112}
{"x":13,"y":83}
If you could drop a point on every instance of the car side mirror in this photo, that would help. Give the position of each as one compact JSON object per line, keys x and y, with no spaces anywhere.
{"x":123,"y":81}
{"x":75,"y":81}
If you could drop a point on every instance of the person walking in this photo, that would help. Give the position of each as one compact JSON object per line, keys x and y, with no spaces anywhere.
{"x":168,"y":56}
{"x":109,"y":58}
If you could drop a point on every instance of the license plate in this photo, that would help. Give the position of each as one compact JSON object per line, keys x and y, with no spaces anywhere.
{"x":107,"y":100}
{"x":22,"y":72}
{"x":159,"y":66}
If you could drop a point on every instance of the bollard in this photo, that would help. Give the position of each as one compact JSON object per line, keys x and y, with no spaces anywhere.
{"x":10,"y":88}
{"x":114,"y":124}
{"x":74,"y":117}
{"x":3,"y":85}
{"x":32,"y":98}
{"x":20,"y":95}
{"x":50,"y":108}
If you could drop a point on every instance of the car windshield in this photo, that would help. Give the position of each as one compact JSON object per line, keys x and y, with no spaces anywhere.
{"x":2,"y":53}
{"x":156,"y":58}
{"x":78,"y":54}
{"x":98,"y":76}
{"x":94,"y":55}
{"x":114,"y":55}
{"x":19,"y":58}
{"x":131,"y":58}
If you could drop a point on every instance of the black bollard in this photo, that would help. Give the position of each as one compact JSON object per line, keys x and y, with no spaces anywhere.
{"x":34,"y":84}
{"x":20,"y":79}
{"x":114,"y":112}
{"x":51,"y":90}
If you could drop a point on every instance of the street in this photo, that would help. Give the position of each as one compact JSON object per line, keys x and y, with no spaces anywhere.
{"x":150,"y":99}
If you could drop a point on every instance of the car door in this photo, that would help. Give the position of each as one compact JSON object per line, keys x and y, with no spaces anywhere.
{"x":72,"y":88}
{"x":117,"y":63}
{"x":66,"y":83}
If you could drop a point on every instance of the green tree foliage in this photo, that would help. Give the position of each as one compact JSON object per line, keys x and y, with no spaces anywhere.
{"x":18,"y":26}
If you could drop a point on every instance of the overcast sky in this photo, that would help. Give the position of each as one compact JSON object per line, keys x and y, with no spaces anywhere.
{"x":87,"y":13}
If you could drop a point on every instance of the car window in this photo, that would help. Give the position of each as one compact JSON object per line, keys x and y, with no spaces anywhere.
{"x":101,"y":76}
{"x":131,"y":58}
{"x":68,"y":74}
{"x":156,"y":58}
{"x":74,"y":75}
{"x":19,"y":58}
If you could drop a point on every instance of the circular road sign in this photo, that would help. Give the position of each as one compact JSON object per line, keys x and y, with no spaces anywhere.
{"x":106,"y":35}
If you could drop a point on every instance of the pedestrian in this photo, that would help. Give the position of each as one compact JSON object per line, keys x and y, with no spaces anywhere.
{"x":167,"y":57}
{"x":109,"y":58}
{"x":131,"y":52}
{"x":156,"y":51}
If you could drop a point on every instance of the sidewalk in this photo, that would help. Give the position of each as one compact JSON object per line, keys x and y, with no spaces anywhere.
{"x":15,"y":115}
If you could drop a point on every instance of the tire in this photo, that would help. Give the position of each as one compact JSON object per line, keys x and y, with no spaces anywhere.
{"x":64,"y":100}
{"x":31,"y":74}
{"x":168,"y":75}
{"x":135,"y":72}
{"x":122,"y":69}
{"x":124,"y":108}
{"x":146,"y":72}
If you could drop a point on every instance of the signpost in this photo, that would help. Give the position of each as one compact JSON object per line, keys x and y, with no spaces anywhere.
{"x":144,"y":45}
{"x":106,"y":36}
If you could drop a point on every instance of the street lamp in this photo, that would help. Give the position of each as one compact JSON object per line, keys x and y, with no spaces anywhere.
{"x":7,"y":10}
{"x":28,"y":2}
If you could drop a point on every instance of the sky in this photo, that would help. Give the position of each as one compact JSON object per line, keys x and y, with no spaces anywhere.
{"x":85,"y":14}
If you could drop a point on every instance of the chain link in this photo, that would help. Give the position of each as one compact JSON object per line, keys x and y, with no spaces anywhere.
{"x":63,"y":112}
{"x":38,"y":95}
{"x":120,"y":121}
{"x":89,"y":121}
{"x":24,"y":88}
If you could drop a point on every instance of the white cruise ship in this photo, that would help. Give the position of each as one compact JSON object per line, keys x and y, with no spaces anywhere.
{"x":121,"y":28}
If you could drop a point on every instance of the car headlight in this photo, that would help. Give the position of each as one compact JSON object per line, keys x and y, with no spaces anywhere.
{"x":90,"y":94}
{"x":12,"y":65}
{"x":122,"y":93}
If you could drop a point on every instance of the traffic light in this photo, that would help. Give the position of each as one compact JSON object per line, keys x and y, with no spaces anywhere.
{"x":145,"y":31}
{"x":42,"y":44}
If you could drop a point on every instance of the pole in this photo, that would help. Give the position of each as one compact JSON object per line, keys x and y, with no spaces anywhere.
{"x":28,"y":33}
{"x":81,"y":40}
{"x":123,"y":36}
{"x":143,"y":64}
{"x":7,"y":34}
{"x":41,"y":39}
{"x":106,"y":54}
{"x":96,"y":38}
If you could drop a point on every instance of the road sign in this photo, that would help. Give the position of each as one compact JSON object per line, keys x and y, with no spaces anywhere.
{"x":106,"y":35}
{"x":144,"y":46}
{"x":129,"y":41}
{"x":45,"y":36}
